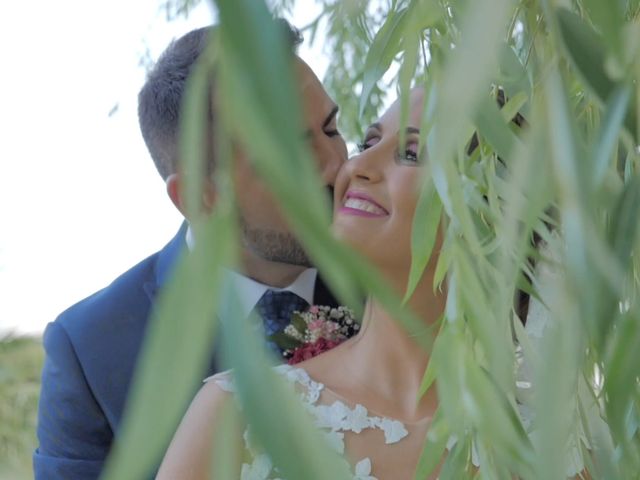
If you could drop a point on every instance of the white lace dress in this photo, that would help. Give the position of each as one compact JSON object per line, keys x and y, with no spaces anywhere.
{"x":377,"y":447}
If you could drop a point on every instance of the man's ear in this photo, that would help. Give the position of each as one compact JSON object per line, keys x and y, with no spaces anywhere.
{"x":175,"y":190}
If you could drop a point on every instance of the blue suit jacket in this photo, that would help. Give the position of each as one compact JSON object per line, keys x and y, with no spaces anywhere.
{"x":91,"y":351}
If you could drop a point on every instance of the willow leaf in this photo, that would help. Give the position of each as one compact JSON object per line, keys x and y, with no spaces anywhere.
{"x":587,"y":53}
{"x":385,"y":46}
{"x":624,"y":225}
{"x":190,"y":296}
{"x":434,"y":447}
{"x":423,"y":234}
{"x":615,"y":112}
{"x":608,"y":17}
{"x":494,"y":129}
{"x":183,"y":325}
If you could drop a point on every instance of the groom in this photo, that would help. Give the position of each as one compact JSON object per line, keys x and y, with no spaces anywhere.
{"x":91,"y":349}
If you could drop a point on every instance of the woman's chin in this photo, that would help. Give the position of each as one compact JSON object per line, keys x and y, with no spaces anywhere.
{"x":359,"y":241}
{"x":347,"y":235}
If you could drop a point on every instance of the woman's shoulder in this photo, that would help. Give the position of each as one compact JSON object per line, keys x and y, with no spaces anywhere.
{"x":220,"y":382}
{"x":215,"y":393}
{"x":223,"y":384}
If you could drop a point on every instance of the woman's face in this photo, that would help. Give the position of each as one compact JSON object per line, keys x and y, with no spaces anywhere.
{"x":377,"y":190}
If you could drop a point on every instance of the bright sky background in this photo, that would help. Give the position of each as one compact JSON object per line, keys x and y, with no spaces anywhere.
{"x":80,"y":199}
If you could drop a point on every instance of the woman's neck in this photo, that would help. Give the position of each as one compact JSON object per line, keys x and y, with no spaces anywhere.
{"x":389,"y":363}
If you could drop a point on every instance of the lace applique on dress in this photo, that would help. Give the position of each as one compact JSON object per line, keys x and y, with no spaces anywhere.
{"x":334,"y":419}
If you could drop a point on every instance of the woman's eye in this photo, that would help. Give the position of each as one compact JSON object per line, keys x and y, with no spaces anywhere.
{"x":410,"y":154}
{"x":368,"y":143}
{"x":332,"y":133}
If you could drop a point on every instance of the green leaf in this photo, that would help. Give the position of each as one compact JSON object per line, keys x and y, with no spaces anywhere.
{"x":494,"y":128}
{"x":176,"y":353}
{"x":513,"y":106}
{"x":298,"y":322}
{"x":624,"y":225}
{"x":174,"y":356}
{"x":434,"y":447}
{"x":586,"y":50}
{"x":385,"y":46}
{"x":622,"y":370}
{"x":430,"y":372}
{"x":444,"y":263}
{"x":615,"y":111}
{"x":457,"y":464}
{"x":411,"y":42}
{"x":423,"y":234}
{"x":284,"y":341}
{"x":608,"y":17}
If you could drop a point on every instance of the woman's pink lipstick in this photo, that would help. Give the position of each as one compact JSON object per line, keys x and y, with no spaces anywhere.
{"x":358,"y":211}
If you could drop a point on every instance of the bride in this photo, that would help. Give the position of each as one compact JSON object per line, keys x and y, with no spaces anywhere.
{"x":375,"y":376}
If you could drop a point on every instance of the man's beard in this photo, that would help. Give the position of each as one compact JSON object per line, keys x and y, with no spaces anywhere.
{"x":274,"y":246}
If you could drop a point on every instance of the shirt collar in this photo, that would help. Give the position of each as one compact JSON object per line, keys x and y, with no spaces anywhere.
{"x":250,"y":290}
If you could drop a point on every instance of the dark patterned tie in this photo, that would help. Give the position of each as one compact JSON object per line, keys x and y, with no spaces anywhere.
{"x":276,"y":309}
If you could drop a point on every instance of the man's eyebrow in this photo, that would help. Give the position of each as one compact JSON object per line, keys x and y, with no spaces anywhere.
{"x":331,"y":116}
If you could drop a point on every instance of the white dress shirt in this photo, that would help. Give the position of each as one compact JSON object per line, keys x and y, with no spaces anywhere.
{"x":250,"y":291}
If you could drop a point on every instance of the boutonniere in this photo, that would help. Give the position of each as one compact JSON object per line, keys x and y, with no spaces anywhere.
{"x":314,"y":331}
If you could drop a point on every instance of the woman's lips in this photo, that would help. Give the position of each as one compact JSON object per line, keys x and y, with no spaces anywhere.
{"x":360,"y":204}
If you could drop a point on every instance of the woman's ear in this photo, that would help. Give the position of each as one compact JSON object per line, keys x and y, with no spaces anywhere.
{"x":175,"y":190}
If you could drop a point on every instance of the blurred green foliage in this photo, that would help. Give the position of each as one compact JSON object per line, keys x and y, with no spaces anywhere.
{"x":20,"y":365}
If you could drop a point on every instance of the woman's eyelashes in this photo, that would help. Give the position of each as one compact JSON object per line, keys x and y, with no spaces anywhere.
{"x":368,"y":143}
{"x":408,"y":155}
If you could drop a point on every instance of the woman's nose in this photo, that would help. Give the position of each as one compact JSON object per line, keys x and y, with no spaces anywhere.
{"x":365,"y":165}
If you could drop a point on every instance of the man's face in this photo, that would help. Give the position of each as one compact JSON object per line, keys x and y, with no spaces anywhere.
{"x":265,"y":232}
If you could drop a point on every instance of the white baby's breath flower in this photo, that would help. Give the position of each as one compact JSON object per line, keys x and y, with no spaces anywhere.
{"x":293,"y":332}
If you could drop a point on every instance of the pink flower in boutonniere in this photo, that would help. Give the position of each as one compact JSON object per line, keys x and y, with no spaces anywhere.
{"x":310,"y":350}
{"x":315,"y":331}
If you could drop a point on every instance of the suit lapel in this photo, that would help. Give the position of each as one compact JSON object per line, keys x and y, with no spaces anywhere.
{"x":322,"y":295}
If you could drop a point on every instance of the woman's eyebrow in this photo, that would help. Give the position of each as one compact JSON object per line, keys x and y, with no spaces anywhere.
{"x":331,"y":116}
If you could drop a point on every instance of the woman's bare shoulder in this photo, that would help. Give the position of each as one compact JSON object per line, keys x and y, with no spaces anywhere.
{"x":188,"y":456}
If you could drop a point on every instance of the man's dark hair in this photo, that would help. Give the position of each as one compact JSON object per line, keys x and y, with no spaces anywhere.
{"x":160,"y":99}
